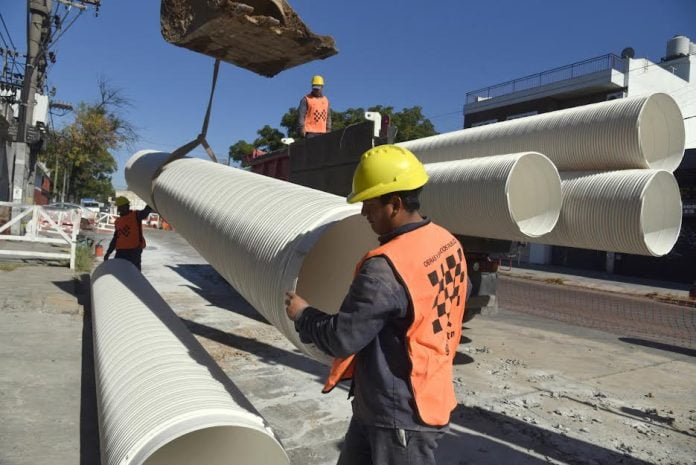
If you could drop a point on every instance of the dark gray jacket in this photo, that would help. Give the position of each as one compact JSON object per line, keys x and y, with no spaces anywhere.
{"x":372,"y":324}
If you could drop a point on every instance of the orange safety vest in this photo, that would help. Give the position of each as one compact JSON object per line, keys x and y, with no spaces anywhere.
{"x":430,"y":262}
{"x":317,"y":114}
{"x":129,"y":232}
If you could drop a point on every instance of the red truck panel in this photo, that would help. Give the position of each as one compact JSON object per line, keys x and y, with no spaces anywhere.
{"x":276,"y":166}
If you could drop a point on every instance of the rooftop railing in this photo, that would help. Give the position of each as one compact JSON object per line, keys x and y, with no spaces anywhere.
{"x":581,"y":68}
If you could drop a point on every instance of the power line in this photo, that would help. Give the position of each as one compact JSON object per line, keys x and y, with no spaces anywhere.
{"x":9,"y":36}
{"x":64,"y":30}
{"x":3,"y":40}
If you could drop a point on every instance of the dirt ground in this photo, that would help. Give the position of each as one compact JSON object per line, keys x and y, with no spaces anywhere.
{"x":531,"y":390}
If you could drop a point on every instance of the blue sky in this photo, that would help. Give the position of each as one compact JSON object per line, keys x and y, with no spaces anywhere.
{"x":392,"y":52}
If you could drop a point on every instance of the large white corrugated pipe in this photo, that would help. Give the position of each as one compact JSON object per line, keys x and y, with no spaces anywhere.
{"x":264,"y":236}
{"x":631,"y":211}
{"x":513,"y":197}
{"x":641,"y":132}
{"x":161,"y":398}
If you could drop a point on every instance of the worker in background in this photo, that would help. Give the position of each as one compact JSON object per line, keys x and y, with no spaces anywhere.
{"x":128,"y":239}
{"x":399,"y":327}
{"x":314,"y":111}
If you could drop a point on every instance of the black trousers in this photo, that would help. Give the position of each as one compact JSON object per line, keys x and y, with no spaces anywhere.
{"x":132,"y":255}
{"x":371,"y":445}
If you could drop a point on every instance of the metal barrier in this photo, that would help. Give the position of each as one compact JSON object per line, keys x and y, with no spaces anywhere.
{"x":581,"y":68}
{"x":41,"y":222}
{"x":105,"y":222}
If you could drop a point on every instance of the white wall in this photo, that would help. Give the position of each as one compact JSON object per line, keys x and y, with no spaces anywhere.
{"x":676,"y":78}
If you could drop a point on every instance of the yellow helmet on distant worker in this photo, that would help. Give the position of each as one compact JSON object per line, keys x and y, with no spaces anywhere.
{"x":385,"y":169}
{"x":317,"y":80}
{"x":121,"y":201}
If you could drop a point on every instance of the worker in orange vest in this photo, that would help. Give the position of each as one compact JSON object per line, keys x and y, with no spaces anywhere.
{"x":398,"y":329}
{"x":128,"y":239}
{"x":314,"y":111}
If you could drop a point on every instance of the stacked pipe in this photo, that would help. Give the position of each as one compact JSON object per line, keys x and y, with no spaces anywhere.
{"x":615,"y":158}
{"x":161,"y":398}
{"x":515,"y":196}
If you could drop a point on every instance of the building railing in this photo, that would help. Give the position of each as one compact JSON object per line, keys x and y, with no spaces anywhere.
{"x":581,"y":68}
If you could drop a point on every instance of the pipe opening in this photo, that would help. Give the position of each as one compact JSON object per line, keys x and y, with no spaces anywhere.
{"x":219,"y":445}
{"x":328,"y":268}
{"x":661,"y":132}
{"x":661,"y":213}
{"x":534,"y":194}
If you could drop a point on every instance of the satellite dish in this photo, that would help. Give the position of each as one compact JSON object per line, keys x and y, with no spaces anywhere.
{"x":628,"y":52}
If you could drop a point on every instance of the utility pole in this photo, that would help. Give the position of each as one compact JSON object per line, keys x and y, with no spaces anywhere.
{"x":38,"y":38}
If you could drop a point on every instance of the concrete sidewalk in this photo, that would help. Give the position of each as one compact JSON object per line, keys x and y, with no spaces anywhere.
{"x":46,"y":371}
{"x":601,"y":281}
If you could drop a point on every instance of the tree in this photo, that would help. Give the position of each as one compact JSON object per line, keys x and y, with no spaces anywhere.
{"x":239,"y":150}
{"x":411,"y":122}
{"x":269,"y":139}
{"x":290,"y":121}
{"x":81,"y":151}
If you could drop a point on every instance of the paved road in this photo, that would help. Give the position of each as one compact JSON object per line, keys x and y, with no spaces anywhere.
{"x":636,"y":317}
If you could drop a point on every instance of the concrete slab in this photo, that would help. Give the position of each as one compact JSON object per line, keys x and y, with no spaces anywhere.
{"x":44,"y":397}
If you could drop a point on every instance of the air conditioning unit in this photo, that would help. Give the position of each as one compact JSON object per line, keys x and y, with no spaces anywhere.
{"x":616,"y":95}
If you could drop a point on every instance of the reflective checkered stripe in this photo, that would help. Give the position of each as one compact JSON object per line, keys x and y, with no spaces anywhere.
{"x":431,"y":264}
{"x":317,"y":114}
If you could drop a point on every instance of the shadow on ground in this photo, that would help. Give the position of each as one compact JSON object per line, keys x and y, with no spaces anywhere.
{"x":507,"y":440}
{"x":659,"y":346}
{"x":208,"y":283}
{"x":89,"y":422}
{"x":267,"y":353}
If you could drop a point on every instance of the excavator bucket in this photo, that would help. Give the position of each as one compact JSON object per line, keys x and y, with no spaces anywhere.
{"x":263,"y":36}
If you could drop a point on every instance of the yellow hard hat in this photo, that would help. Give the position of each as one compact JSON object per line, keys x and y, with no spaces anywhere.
{"x":385,"y":169}
{"x":121,"y":201}
{"x":317,"y":80}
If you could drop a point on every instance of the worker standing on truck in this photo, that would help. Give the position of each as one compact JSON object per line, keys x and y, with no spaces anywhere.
{"x":399,"y":327}
{"x":314,"y":111}
{"x":128,"y":239}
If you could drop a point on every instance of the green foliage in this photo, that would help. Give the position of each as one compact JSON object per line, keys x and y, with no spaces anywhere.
{"x":81,"y":151}
{"x":83,"y":258}
{"x":269,"y":139}
{"x":240,"y":149}
{"x":10,"y":266}
{"x":290,"y":121}
{"x":411,"y":124}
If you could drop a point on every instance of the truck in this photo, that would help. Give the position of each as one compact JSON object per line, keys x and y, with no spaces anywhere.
{"x":327,"y":163}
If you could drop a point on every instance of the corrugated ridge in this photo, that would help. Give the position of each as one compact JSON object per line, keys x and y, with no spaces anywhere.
{"x":150,"y":371}
{"x":601,"y":136}
{"x":603,"y":211}
{"x":471,"y":197}
{"x":270,"y":224}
